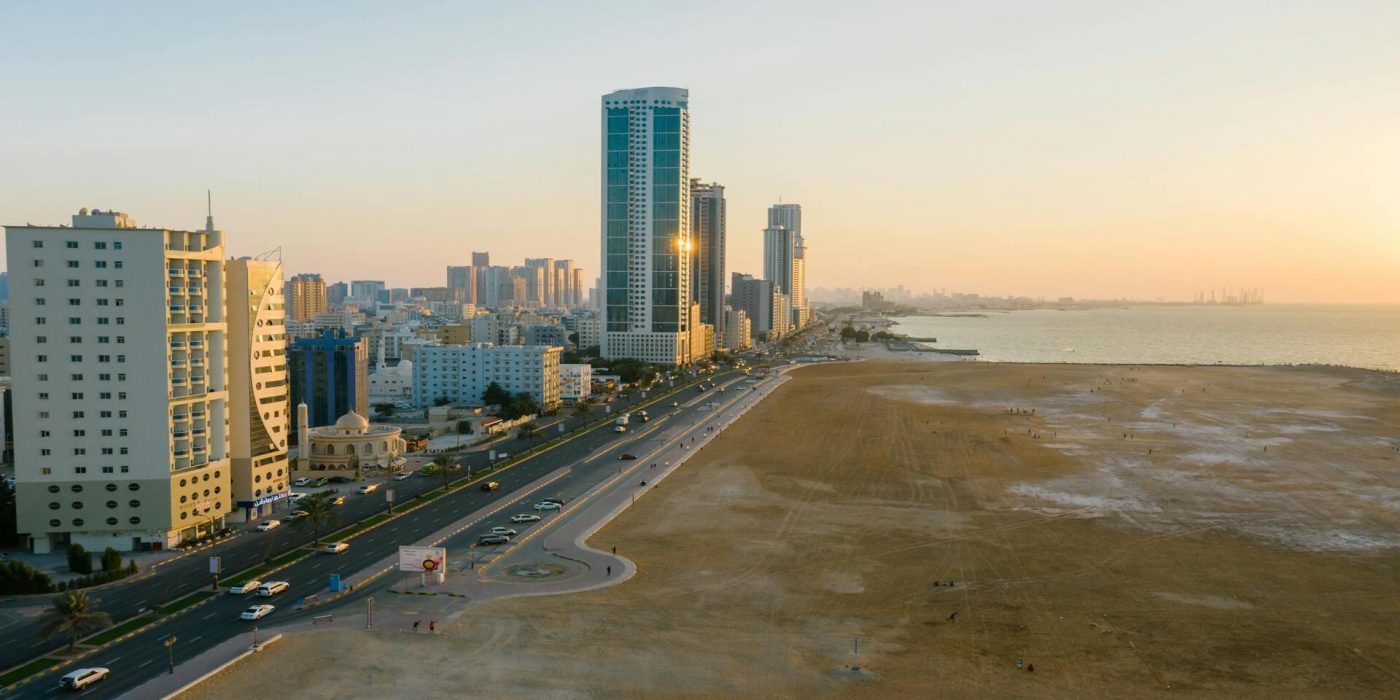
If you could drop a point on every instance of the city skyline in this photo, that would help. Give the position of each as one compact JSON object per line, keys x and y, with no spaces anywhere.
{"x":1111,"y":167}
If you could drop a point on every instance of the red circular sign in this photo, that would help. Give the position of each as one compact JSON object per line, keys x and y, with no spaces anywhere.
{"x":429,"y":564}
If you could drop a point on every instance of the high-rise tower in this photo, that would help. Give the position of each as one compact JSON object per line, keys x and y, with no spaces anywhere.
{"x":646,"y":225}
{"x":707,"y":221}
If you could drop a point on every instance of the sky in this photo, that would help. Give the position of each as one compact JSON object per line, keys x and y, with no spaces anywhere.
{"x":1090,"y":149}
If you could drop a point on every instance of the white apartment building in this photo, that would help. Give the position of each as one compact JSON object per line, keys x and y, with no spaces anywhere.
{"x":118,"y":344}
{"x":646,"y":240}
{"x":259,"y":409}
{"x":575,"y":381}
{"x":461,"y":373}
{"x":737,"y":331}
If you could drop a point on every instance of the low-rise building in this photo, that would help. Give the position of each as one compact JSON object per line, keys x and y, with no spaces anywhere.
{"x":575,"y":381}
{"x":349,"y":447}
{"x":461,"y":373}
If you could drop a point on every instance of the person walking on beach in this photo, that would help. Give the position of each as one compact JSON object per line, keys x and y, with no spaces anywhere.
{"x":432,"y":626}
{"x":415,"y":624}
{"x":610,"y":570}
{"x":953,"y":617}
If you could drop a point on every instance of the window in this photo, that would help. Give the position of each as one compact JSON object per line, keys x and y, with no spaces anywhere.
{"x":72,"y":263}
{"x":121,"y":414}
{"x":80,"y":470}
{"x":41,"y":339}
{"x":77,"y":396}
{"x":43,"y":433}
{"x":53,"y":488}
{"x":106,"y":451}
{"x":38,"y":281}
{"x":79,"y":452}
{"x":121,"y":432}
{"x":42,"y":358}
{"x":121,"y":395}
{"x":46,"y":471}
{"x":75,"y":358}
{"x":72,"y":244}
{"x":124,"y":450}
{"x":40,"y":301}
{"x":53,"y":505}
{"x":102,"y":302}
{"x":121,"y":302}
{"x":75,"y":302}
{"x":74,"y":320}
{"x":38,"y":244}
{"x":40,"y":320}
{"x":38,"y":263}
{"x":106,"y":395}
{"x":125,"y":469}
{"x":134,"y":503}
{"x":101,"y":263}
{"x":106,"y":414}
{"x":73,"y":283}
{"x":133,"y":487}
{"x":111,"y":521}
{"x":106,"y":470}
{"x":43,"y":377}
{"x":77,"y":377}
{"x":119,"y":283}
{"x":104,"y":377}
{"x":43,"y":396}
{"x":77,"y":522}
{"x":79,"y":432}
{"x":104,"y":358}
{"x":100,"y":245}
{"x":75,"y":339}
{"x":118,"y":265}
{"x":101,"y":283}
{"x":78,"y":414}
{"x":116,"y":245}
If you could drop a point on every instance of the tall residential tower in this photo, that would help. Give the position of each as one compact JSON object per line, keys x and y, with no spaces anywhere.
{"x":646,"y":225}
{"x":707,"y":234}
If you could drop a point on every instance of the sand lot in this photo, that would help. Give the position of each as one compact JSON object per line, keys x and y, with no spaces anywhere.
{"x":1131,"y":532}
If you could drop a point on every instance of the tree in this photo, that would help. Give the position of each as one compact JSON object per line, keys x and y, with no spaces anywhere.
{"x":9,"y":528}
{"x":464,"y":427}
{"x":320,"y":513}
{"x":441,"y":401}
{"x":862,"y":336}
{"x":111,"y":560}
{"x":384,"y":409}
{"x":581,"y":408}
{"x":18,"y":578}
{"x":79,"y":560}
{"x":521,"y":404}
{"x":848,"y":333}
{"x":72,"y":615}
{"x":527,"y":431}
{"x":495,"y":395}
{"x":573,"y":338}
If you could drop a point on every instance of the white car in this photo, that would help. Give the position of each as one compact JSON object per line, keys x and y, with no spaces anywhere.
{"x":546,"y":505}
{"x":244,"y":588}
{"x":620,"y":429}
{"x":507,"y":532}
{"x":367,"y":488}
{"x":401,"y":476}
{"x":336,"y":547}
{"x":257,"y":612}
{"x":83,"y":677}
{"x":303,"y":481}
{"x":525,"y":518}
{"x":272,"y":588}
{"x":266,"y":525}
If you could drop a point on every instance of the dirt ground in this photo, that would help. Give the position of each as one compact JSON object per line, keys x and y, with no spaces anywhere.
{"x":1131,"y":532}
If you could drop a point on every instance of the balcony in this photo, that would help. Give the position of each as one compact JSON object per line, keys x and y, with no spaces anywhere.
{"x":181,"y":454}
{"x":196,"y":344}
{"x":197,"y":415}
{"x":177,"y":364}
{"x":176,"y":290}
{"x":180,"y":434}
{"x":177,"y":344}
{"x":178,"y":382}
{"x":197,"y":362}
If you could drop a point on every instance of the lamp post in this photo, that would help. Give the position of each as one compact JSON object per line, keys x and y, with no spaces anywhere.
{"x":169,"y":642}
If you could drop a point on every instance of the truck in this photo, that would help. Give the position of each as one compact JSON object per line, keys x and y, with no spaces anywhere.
{"x":621,"y":420}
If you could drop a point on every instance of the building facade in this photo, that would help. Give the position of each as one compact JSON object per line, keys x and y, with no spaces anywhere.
{"x":575,"y":381}
{"x":330,"y":374}
{"x":461,"y":373}
{"x":736,"y":329}
{"x":306,"y":297}
{"x":118,"y":340}
{"x":707,"y":233}
{"x":350,"y":447}
{"x":784,"y":259}
{"x":646,"y":225}
{"x":754,"y":297}
{"x":259,"y":412}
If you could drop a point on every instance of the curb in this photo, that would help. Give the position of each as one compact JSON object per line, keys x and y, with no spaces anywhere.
{"x":221,"y":667}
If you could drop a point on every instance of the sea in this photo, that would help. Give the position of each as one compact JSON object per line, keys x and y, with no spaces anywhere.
{"x":1265,"y":334}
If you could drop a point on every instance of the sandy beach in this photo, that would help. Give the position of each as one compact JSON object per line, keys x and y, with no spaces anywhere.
{"x":1126,"y":531}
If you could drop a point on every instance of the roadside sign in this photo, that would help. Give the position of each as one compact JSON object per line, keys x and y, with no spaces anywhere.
{"x":389,"y":495}
{"x":422,"y":559}
{"x":215,"y":564}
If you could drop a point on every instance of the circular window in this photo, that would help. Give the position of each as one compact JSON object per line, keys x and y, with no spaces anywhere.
{"x":279,"y":472}
{"x":111,"y":504}
{"x":111,"y":521}
{"x":218,"y":489}
{"x":111,"y":487}
{"x":133,"y":487}
{"x":257,"y":478}
{"x":134,"y":503}
{"x":257,"y":354}
{"x":53,"y":488}
{"x":77,"y":488}
{"x":55,"y":522}
{"x":206,"y":477}
{"x":182,"y":482}
{"x":257,"y":492}
{"x":54,"y":506}
{"x":216,"y":475}
{"x":259,"y":386}
{"x":134,"y":520}
{"x":77,"y":522}
{"x":77,"y":505}
{"x":184,"y":498}
{"x":184,"y":515}
{"x":206,"y":493}
{"x":218,"y":505}
{"x":267,"y":416}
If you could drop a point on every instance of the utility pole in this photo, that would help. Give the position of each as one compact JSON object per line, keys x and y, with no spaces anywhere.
{"x":369,"y":613}
{"x":169,"y":642}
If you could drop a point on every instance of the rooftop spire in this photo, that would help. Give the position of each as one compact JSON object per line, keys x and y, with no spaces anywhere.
{"x":209,"y":217}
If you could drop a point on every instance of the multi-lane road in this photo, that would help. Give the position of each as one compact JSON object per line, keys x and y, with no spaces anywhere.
{"x":143,"y":656}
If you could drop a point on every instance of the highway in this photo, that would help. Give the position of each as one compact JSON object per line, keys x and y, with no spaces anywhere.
{"x":143,"y":656}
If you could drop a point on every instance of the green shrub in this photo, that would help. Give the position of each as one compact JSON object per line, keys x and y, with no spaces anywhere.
{"x":18,"y":578}
{"x":79,"y":561}
{"x":111,"y":560}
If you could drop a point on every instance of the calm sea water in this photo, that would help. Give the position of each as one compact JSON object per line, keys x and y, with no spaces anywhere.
{"x":1356,"y":336}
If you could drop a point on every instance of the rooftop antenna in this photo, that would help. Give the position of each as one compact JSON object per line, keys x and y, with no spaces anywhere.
{"x":209,"y":217}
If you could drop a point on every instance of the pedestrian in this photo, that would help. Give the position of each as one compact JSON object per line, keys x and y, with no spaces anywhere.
{"x":1020,"y":664}
{"x":415,"y":624}
{"x":432,"y":626}
{"x":610,"y":570}
{"x":953,"y":617}
{"x":1030,"y":668}
{"x":614,"y":551}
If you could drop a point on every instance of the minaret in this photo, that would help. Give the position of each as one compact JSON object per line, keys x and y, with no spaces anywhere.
{"x":303,"y":439}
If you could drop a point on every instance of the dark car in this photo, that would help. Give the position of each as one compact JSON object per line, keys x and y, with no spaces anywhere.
{"x":320,"y":482}
{"x":341,"y":480}
{"x":626,"y":456}
{"x":490,"y":486}
{"x":560,"y":501}
{"x":492,"y":539}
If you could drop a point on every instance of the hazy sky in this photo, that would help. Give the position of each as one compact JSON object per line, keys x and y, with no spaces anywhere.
{"x":1044,"y":148}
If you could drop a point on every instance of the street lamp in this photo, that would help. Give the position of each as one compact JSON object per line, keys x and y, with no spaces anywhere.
{"x":169,"y":641}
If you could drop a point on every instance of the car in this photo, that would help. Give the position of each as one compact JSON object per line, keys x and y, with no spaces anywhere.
{"x":272,"y":588}
{"x":295,"y":496}
{"x":546,"y":505}
{"x":319,"y":482}
{"x":620,"y":429}
{"x":341,"y":480}
{"x":338,"y":501}
{"x":559,"y":501}
{"x":367,"y":488}
{"x":401,"y":476}
{"x":525,"y":518}
{"x":675,"y":404}
{"x":490,"y":486}
{"x":257,"y":612}
{"x":492,"y":539}
{"x":626,"y":456}
{"x":303,"y":481}
{"x":266,"y":525}
{"x":244,"y":588}
{"x":296,"y":515}
{"x":508,"y":532}
{"x":645,"y":418}
{"x":335,"y":547}
{"x":84,"y":677}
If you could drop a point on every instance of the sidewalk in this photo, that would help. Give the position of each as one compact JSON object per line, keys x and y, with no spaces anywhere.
{"x":190,"y":672}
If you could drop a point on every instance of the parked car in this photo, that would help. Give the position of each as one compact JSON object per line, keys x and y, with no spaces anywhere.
{"x":525,"y":518}
{"x":490,"y":486}
{"x":296,"y":515}
{"x":303,"y":481}
{"x":560,"y":501}
{"x":367,"y":488}
{"x":546,"y":505}
{"x":492,"y":540}
{"x":626,"y":456}
{"x":319,"y":482}
{"x":84,"y":677}
{"x":272,"y":588}
{"x":295,"y":496}
{"x":335,"y":547}
{"x":267,"y":525}
{"x":508,"y":532}
{"x":244,"y":588}
{"x":341,"y":480}
{"x":401,"y":476}
{"x":257,"y":612}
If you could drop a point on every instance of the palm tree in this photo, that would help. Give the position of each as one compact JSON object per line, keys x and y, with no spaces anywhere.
{"x":73,"y":615}
{"x":320,"y":513}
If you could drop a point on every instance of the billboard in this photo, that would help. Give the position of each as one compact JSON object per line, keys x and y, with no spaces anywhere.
{"x":428,"y":560}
